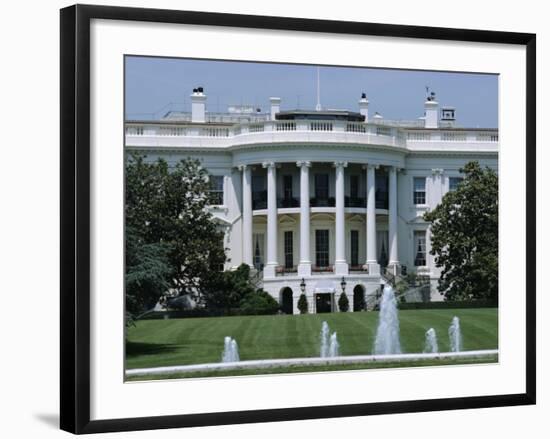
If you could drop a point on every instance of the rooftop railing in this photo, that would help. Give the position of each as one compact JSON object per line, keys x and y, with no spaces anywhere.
{"x":167,"y":133}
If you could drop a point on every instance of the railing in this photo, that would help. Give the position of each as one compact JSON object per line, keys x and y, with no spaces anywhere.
{"x":322,"y":202}
{"x":144,"y":133}
{"x":288,"y":202}
{"x":281,"y":270}
{"x":355,"y":202}
{"x":445,"y":135}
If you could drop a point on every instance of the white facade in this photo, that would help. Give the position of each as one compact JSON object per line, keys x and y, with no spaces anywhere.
{"x":317,"y":197}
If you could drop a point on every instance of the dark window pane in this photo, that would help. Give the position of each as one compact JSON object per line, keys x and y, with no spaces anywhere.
{"x":289,"y":256}
{"x":321,"y":248}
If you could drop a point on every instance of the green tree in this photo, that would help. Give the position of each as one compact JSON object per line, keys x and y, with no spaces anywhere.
{"x":226,"y":290}
{"x":465,"y":236}
{"x":147,"y":274}
{"x":343,"y":302}
{"x":168,"y":207}
{"x":302,"y":304}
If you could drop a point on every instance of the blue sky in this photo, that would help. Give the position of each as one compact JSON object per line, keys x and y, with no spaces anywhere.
{"x":155,"y":85}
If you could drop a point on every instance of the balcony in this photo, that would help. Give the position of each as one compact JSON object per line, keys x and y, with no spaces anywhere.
{"x":322,"y":202}
{"x":168,"y":133}
{"x":288,"y":202}
{"x":355,"y":202}
{"x":259,"y":200}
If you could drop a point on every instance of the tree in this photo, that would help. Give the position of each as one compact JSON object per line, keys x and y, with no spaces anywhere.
{"x":227,"y":290}
{"x":465,"y":236}
{"x":147,"y":274}
{"x":343,"y":302}
{"x":302,"y":304}
{"x":168,"y":208}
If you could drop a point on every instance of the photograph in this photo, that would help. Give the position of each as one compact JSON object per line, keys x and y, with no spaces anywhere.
{"x":295,"y":218}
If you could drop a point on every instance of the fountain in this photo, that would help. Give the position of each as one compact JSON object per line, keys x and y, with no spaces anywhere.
{"x":387,"y":333}
{"x":230,"y":352}
{"x":329,"y":343}
{"x":334,"y":347}
{"x":431,"y":342}
{"x":455,"y":336}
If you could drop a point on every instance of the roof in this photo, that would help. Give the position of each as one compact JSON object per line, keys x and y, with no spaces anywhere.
{"x":321,"y":115}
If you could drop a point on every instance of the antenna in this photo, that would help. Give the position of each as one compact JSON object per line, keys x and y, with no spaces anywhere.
{"x":318,"y":106}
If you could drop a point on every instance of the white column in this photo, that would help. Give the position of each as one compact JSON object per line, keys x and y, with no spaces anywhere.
{"x":340,"y":264}
{"x":304,"y":267}
{"x":392,"y":221}
{"x":372,"y":261}
{"x":247,"y":215}
{"x":271,"y":265}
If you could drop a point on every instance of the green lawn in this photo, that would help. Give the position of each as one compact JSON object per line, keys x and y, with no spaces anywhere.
{"x":153,"y":343}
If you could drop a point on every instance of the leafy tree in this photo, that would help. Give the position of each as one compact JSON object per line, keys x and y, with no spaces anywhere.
{"x":259,"y":303}
{"x":226,"y":290}
{"x":343,"y":302}
{"x":302,"y":304}
{"x":465,"y":236}
{"x":147,"y":274}
{"x":168,"y":208}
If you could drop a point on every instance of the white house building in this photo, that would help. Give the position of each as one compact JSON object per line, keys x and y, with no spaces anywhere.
{"x":321,"y":200}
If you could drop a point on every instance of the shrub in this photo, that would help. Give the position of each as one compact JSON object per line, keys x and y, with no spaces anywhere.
{"x":302,"y":304}
{"x":448,"y":304}
{"x":343,"y":302}
{"x":259,"y":303}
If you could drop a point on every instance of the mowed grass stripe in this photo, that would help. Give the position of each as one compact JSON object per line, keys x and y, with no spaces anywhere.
{"x":153,"y":343}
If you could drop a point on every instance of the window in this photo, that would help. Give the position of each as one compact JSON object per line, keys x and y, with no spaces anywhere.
{"x":289,"y":255}
{"x":287,"y":187}
{"x":321,"y":248}
{"x":354,"y":186}
{"x":259,"y":251}
{"x":321,"y":186}
{"x":215,"y":195}
{"x":259,"y":194}
{"x":420,"y":249}
{"x":453,"y":182}
{"x":419,"y":190}
{"x":354,"y":246}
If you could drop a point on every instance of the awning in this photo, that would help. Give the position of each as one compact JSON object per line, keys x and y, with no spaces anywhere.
{"x":324,"y":286}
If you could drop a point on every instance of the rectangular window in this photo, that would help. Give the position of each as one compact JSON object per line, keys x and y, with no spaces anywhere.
{"x":215,"y":195}
{"x":354,"y":246}
{"x":354,"y":186}
{"x":321,"y":186}
{"x":259,"y":251}
{"x":454,"y":182}
{"x":259,"y":194}
{"x":289,"y":254}
{"x":420,"y":249}
{"x":419,"y":190}
{"x":321,"y":248}
{"x":287,"y":187}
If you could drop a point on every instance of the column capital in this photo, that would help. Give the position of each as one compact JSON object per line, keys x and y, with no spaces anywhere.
{"x":437,"y":171}
{"x":269,"y":164}
{"x":371,"y":166}
{"x":396,"y":169}
{"x":302,"y":163}
{"x":242,"y":167}
{"x":340,"y":164}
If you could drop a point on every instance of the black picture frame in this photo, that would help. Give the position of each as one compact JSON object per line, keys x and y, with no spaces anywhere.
{"x":75,"y":217}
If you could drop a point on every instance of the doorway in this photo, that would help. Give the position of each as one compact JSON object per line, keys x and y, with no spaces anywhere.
{"x":323,"y":302}
{"x":286,"y":301}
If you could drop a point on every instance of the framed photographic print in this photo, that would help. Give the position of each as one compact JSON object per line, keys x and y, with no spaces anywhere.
{"x":275,"y":218}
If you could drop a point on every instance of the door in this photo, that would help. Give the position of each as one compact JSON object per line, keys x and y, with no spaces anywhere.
{"x":323,"y":302}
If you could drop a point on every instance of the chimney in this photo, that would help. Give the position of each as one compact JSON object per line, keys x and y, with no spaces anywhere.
{"x":364,"y":106}
{"x":275,"y":106}
{"x":431,"y":113}
{"x":198,"y":105}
